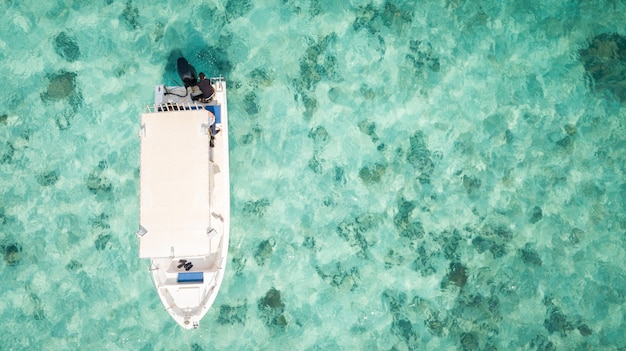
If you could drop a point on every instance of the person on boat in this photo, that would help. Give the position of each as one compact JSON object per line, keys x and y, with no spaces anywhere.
{"x":207,"y":89}
{"x":186,"y":72}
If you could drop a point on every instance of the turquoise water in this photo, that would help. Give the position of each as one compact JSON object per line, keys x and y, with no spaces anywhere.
{"x":406,"y":175}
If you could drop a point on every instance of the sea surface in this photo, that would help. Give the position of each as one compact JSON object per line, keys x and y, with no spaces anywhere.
{"x":406,"y":175}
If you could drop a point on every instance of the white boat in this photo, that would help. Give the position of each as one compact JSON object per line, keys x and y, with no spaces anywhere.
{"x":184,"y":215}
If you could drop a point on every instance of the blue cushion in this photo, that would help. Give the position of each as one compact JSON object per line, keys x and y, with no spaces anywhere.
{"x":216,"y":109}
{"x":190,"y":277}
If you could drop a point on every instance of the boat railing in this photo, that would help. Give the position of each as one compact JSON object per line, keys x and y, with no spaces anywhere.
{"x":217,"y":79}
{"x":218,"y":82}
{"x":173,"y":106}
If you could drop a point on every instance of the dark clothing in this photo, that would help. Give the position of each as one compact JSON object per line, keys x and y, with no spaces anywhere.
{"x":186,"y":72}
{"x":206,"y":88}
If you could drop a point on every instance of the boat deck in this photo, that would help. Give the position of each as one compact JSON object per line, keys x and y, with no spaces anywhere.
{"x":169,"y":272}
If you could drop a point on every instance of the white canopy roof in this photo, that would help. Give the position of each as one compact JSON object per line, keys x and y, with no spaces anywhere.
{"x":174,"y":204}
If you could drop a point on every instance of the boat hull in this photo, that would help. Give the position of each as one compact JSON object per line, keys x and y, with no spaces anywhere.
{"x":187,"y":263}
{"x":188,"y":299}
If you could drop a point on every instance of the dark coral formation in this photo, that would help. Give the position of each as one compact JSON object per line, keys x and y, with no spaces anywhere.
{"x":62,"y":85}
{"x":423,"y":263}
{"x":469,"y":341}
{"x":130,"y":15}
{"x":372,"y":18}
{"x":536,"y":214}
{"x":605,"y":62}
{"x":264,"y":251}
{"x":65,"y":46}
{"x":315,"y":8}
{"x":100,"y":222}
{"x":251,"y":104}
{"x":320,"y":136}
{"x":530,"y":256}
{"x":353,"y":231}
{"x":542,"y":343}
{"x":48,"y":178}
{"x":339,"y":276}
{"x":38,"y":311}
{"x":257,"y":207}
{"x":372,"y":174}
{"x":393,"y":258}
{"x":471,"y":184}
{"x":480,"y":310}
{"x":73,"y":265}
{"x":320,"y":139}
{"x":7,"y":153}
{"x":409,"y":228}
{"x":238,"y":264}
{"x":233,"y":314}
{"x":483,"y":297}
{"x":100,"y":226}
{"x":435,"y":325}
{"x":457,"y":275}
{"x":271,"y":309}
{"x":449,"y":242}
{"x":493,"y":238}
{"x":316,"y":165}
{"x":368,"y":128}
{"x":420,"y":67}
{"x":10,"y":150}
{"x":576,"y":235}
{"x":255,"y":133}
{"x":339,"y":175}
{"x":558,"y":322}
{"x":403,"y":328}
{"x":159,"y":31}
{"x":12,"y":253}
{"x":422,"y":57}
{"x":310,"y":243}
{"x":420,"y":157}
{"x":97,"y":182}
{"x":102,"y":241}
{"x":259,"y":77}
{"x":272,"y":300}
{"x":317,"y":64}
{"x":401,"y":325}
{"x":237,"y":8}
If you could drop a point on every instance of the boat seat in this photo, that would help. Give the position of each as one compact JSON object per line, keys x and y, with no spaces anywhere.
{"x":190,"y":277}
{"x":217,"y":111}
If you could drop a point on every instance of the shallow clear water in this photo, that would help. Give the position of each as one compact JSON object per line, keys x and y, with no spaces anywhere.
{"x":405,"y":175}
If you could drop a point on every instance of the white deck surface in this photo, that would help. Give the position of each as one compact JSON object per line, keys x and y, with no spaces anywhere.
{"x":174,"y":205}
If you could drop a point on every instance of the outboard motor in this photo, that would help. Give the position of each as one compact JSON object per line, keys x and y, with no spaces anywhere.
{"x":186,"y":72}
